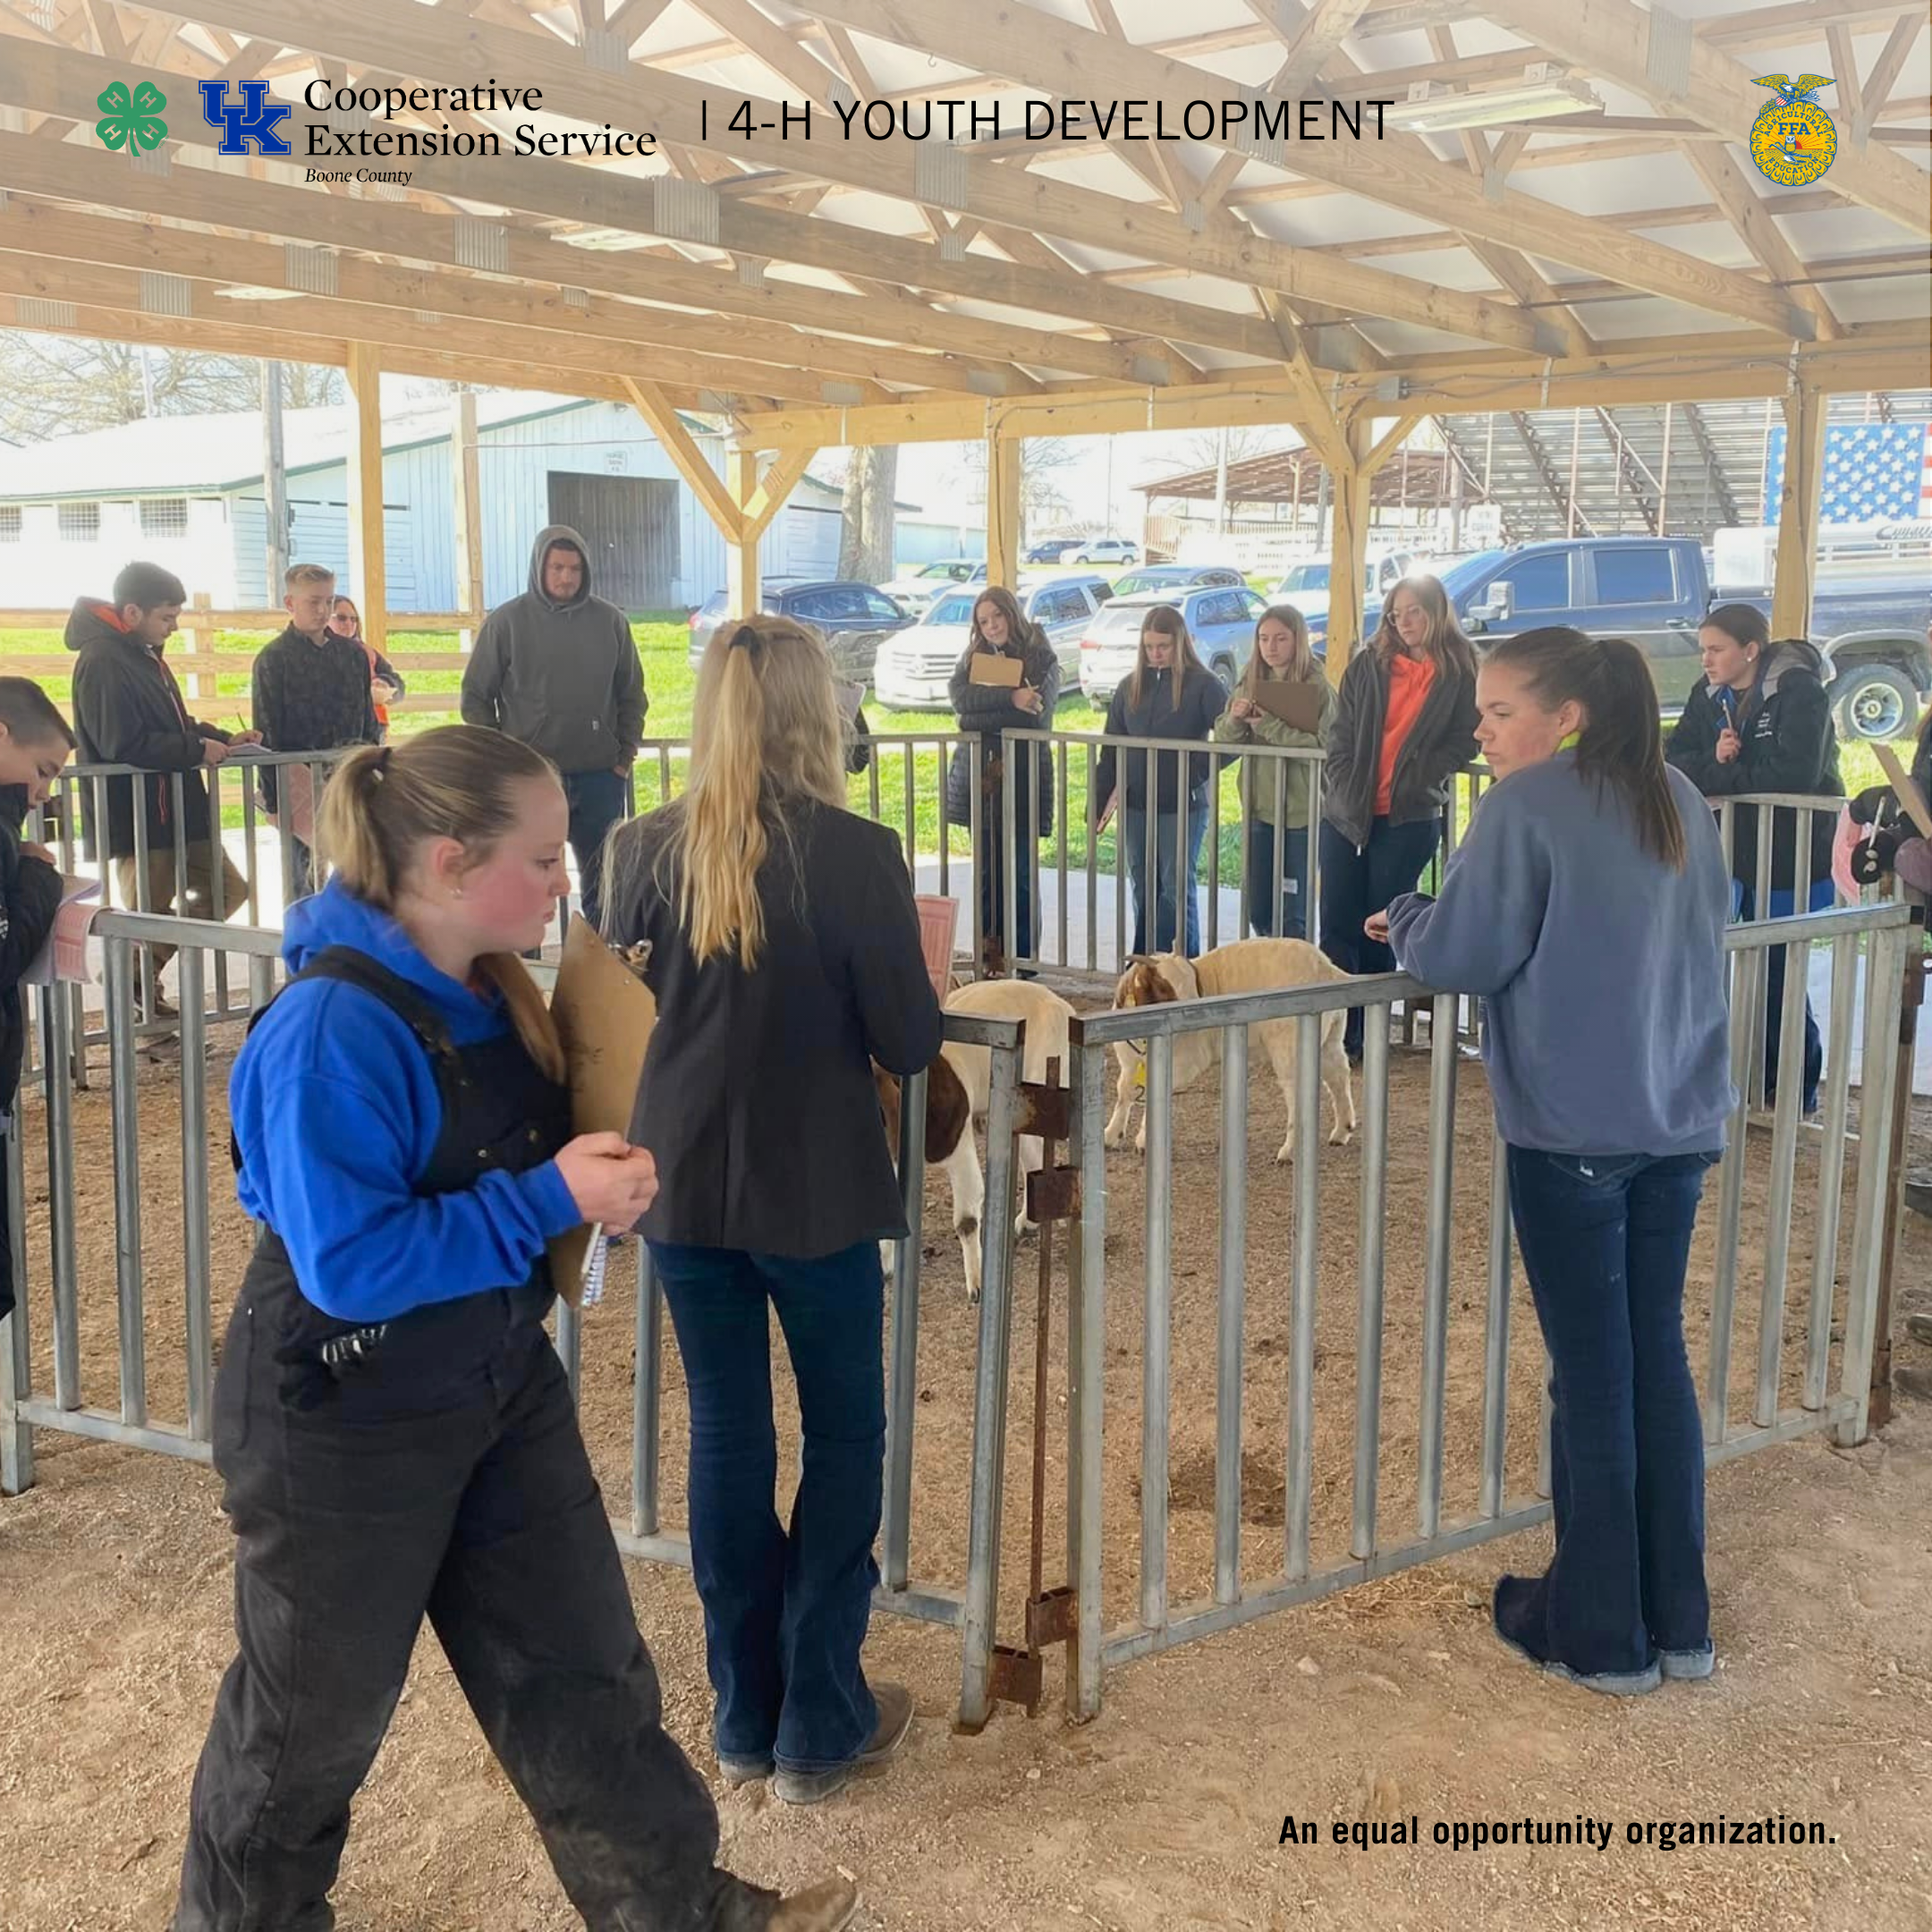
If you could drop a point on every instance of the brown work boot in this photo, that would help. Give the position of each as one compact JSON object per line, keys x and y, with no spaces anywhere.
{"x":894,"y":1703}
{"x":825,"y":1907}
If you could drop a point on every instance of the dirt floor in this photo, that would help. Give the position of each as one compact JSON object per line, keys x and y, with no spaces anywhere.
{"x":1389,"y":1702}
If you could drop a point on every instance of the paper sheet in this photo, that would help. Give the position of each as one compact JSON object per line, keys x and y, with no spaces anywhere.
{"x":64,"y":956}
{"x":604,"y":1014}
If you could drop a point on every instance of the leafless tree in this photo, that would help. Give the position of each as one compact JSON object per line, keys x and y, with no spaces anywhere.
{"x":1042,"y":500}
{"x":52,"y":386}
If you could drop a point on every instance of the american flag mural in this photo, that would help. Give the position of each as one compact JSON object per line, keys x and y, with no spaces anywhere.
{"x":1873,"y":472}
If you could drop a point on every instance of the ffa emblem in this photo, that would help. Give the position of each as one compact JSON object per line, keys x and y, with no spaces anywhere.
{"x":1793,"y":140}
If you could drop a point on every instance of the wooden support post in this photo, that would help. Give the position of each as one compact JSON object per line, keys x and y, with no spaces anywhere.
{"x":274,"y":486}
{"x":1003,"y":458}
{"x":678,"y":445}
{"x":1798,"y":512}
{"x":368,"y":577}
{"x":774,"y":490}
{"x":467,"y":499}
{"x":1349,"y":555}
{"x":741,"y":541}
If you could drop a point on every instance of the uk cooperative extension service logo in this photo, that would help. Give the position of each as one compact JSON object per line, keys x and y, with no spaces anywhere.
{"x":257,"y":120}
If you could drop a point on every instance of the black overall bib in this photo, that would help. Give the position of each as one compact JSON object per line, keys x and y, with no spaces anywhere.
{"x":432,"y":1465}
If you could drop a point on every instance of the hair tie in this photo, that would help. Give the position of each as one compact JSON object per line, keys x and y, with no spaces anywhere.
{"x":745,"y":637}
{"x":382,"y":760}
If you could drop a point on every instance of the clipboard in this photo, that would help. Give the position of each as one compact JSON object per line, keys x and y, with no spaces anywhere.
{"x":1909,"y":795}
{"x":604,"y":1014}
{"x":989,"y":667}
{"x":1298,"y":705}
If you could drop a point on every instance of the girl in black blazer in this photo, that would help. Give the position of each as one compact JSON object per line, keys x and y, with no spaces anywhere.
{"x":784,"y":957}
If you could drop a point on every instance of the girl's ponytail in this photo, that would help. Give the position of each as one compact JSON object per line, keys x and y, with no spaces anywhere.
{"x":1621,"y":743}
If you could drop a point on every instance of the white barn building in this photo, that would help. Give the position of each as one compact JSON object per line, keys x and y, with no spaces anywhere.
{"x":186,"y":492}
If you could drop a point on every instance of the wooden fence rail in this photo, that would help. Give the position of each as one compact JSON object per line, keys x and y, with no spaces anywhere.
{"x":198,"y":662}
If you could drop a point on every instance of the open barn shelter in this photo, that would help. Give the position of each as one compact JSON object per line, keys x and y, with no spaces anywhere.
{"x":1560,"y":211}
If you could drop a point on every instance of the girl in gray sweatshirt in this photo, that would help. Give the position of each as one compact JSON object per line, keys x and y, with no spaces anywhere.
{"x":1588,"y":905}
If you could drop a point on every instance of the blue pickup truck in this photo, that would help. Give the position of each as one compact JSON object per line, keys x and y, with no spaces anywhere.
{"x":1655,"y":591}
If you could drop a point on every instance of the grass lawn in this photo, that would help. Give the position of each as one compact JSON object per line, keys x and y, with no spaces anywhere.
{"x":663,"y":645}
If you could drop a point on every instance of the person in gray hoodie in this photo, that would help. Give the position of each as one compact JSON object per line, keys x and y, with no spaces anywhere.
{"x":1586,"y":905}
{"x":557,"y":669}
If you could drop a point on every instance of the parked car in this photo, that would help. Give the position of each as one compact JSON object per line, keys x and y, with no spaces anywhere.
{"x":915,"y":668}
{"x":1045,"y":553}
{"x":1655,"y":591}
{"x":1177,"y":577}
{"x":1305,"y":587}
{"x":915,"y":593}
{"x":1101,"y":550}
{"x":853,"y":618}
{"x":1221,"y":620}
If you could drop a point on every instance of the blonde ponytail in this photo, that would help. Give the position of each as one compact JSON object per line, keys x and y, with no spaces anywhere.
{"x":724,"y":838}
{"x":767,"y":736}
{"x":381,"y":801}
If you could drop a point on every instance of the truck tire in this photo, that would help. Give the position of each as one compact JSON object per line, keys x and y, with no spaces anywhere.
{"x":1874,"y":701}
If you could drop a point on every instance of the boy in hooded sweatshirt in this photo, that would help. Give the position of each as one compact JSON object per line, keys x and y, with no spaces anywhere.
{"x":557,"y":669}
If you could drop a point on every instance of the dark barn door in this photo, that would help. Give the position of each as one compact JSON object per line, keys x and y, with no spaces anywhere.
{"x":631,"y":524}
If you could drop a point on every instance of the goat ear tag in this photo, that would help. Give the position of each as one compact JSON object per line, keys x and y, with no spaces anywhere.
{"x":1139,"y":1074}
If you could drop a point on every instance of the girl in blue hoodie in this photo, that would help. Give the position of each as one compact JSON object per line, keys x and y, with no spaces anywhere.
{"x":1587,"y":905}
{"x":394,"y":1430}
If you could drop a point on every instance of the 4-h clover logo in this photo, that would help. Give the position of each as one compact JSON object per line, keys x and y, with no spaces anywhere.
{"x":134,"y":120}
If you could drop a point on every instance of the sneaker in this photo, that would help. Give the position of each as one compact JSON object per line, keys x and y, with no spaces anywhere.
{"x":1919,"y":1197}
{"x":894,"y":1703}
{"x":1687,"y":1665}
{"x":737,"y":1771}
{"x":825,"y":1907}
{"x":1920,"y":1328}
{"x":1511,"y":1616}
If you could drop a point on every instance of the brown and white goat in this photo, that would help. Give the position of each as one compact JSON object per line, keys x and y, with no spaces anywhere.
{"x":950,"y":1146}
{"x":1247,"y":966}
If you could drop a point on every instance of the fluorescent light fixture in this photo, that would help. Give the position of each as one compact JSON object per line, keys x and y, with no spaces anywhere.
{"x":1542,"y":91}
{"x":606,"y":240}
{"x":247,"y":293}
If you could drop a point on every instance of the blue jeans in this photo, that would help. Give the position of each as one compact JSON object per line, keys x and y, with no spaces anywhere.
{"x":1606,"y":1240}
{"x":597,"y":800}
{"x":1133,"y":830}
{"x":1357,"y":882}
{"x":1263,"y":871}
{"x":1824,"y":895}
{"x":785,"y":1608}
